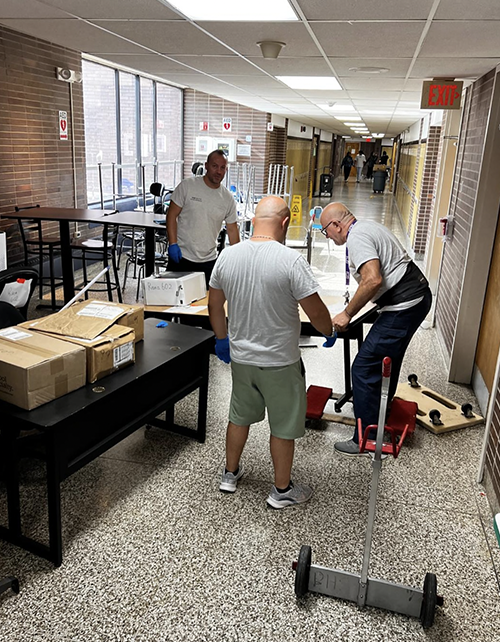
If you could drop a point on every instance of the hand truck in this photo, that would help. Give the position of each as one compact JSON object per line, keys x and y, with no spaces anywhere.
{"x":359,"y":588}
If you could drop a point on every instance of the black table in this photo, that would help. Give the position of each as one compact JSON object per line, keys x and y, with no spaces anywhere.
{"x":64,"y":216}
{"x":354,"y":331}
{"x":170,"y":363}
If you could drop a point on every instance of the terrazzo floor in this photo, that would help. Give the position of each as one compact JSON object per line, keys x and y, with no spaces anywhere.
{"x":154,"y":552}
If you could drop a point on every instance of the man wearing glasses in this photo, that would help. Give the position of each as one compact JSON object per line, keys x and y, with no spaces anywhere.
{"x":387,"y":276}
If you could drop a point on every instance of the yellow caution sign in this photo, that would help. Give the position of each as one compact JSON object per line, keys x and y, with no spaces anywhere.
{"x":296,"y":209}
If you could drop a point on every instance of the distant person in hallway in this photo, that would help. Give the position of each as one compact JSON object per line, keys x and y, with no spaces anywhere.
{"x":198,"y":208}
{"x":264,"y":282}
{"x":384,"y":158}
{"x":387,"y":276}
{"x":372,"y":159}
{"x":360,"y":163}
{"x":347,"y":163}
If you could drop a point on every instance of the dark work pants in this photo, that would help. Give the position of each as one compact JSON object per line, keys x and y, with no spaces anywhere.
{"x":347,"y":171}
{"x":185,"y":265}
{"x":389,"y":337}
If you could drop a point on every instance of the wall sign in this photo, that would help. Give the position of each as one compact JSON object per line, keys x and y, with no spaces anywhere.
{"x":244,"y":150}
{"x":226,"y":124}
{"x":63,"y":125}
{"x":203,"y":126}
{"x":441,"y":94}
{"x":270,"y":127}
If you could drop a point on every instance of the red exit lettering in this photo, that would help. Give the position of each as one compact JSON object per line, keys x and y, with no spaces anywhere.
{"x":442,"y":95}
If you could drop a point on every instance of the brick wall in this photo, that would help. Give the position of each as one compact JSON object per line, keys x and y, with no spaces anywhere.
{"x":35,"y":166}
{"x":201,"y":107}
{"x":434,"y":187}
{"x":468,"y":165}
{"x":425,"y":206}
{"x":492,"y":461}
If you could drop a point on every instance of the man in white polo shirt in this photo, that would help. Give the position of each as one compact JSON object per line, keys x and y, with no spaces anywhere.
{"x":198,"y":208}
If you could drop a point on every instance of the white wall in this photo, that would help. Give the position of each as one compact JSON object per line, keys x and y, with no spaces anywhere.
{"x":294,"y":130}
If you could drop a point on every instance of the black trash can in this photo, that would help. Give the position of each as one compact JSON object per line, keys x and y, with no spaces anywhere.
{"x":325,"y":184}
{"x":379,"y":178}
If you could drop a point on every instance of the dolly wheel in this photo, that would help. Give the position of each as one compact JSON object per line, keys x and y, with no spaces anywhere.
{"x":302,"y":570}
{"x":435,"y":417}
{"x":413,"y":379}
{"x":430,"y":600}
{"x":467,"y":410}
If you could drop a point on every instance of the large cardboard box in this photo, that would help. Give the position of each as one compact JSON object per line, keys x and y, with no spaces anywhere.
{"x":89,"y":319}
{"x":35,"y":368}
{"x":174,"y":288}
{"x":110,"y":351}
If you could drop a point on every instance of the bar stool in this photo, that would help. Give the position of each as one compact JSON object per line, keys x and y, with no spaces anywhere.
{"x":93,"y":250}
{"x":36,"y":243}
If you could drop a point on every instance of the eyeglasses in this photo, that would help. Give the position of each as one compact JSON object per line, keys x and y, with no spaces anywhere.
{"x":323,"y":229}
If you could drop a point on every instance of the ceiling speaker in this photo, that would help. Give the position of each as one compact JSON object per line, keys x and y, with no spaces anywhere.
{"x":68,"y":75}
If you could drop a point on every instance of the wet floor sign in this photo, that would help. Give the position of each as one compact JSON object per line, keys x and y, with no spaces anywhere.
{"x":296,"y":209}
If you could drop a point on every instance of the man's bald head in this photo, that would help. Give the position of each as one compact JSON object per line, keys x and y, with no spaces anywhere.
{"x":271,"y":209}
{"x":335,"y":212}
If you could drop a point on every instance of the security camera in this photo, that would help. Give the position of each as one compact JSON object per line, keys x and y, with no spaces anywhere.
{"x":68,"y":75}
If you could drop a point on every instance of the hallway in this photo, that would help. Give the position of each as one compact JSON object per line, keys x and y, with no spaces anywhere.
{"x":153,"y":551}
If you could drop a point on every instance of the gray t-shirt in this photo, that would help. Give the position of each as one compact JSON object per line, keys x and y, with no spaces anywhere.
{"x":203,"y":212}
{"x":262,"y":283}
{"x":368,"y":240}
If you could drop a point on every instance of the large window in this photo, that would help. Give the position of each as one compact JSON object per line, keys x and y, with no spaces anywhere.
{"x":133,"y":125}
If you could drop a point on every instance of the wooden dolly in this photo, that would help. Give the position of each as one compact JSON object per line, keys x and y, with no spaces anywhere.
{"x":436,"y":412}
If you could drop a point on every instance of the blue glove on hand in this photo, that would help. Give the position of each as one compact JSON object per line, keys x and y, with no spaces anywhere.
{"x":330,"y":340}
{"x":174,"y":252}
{"x":222,"y":349}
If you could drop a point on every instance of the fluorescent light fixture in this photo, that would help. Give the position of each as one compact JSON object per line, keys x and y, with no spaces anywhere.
{"x":230,"y":11}
{"x":349,"y":118}
{"x":311,"y":82}
{"x":349,"y":124}
{"x":354,"y":128}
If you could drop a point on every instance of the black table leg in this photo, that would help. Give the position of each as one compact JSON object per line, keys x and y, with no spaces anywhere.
{"x":150,"y":251}
{"x":54,"y":500}
{"x":66,"y":261}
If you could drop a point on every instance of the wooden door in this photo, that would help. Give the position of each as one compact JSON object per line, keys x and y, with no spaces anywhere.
{"x":489,"y":331}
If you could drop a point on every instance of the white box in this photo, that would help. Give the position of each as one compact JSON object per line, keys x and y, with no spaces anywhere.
{"x":3,"y":251}
{"x":174,"y":288}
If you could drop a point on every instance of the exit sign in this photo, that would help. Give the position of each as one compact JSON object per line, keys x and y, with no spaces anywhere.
{"x":441,"y":94}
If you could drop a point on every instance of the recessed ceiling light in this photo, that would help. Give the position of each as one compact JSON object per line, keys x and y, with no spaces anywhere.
{"x":228,"y":10}
{"x":349,"y":123}
{"x":311,"y":82}
{"x":348,"y":118}
{"x":369,"y":70}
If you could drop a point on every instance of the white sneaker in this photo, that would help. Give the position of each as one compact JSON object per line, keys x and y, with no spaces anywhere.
{"x":298,"y":494}
{"x":230,"y":480}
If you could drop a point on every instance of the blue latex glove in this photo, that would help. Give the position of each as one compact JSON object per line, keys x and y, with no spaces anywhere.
{"x":222,"y":349}
{"x":330,"y":341}
{"x":174,"y":252}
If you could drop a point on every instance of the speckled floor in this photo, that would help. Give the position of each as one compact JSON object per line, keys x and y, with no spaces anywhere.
{"x":154,"y":552}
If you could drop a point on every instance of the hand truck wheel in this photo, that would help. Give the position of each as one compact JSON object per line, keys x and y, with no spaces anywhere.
{"x":467,"y":410}
{"x":302,"y":569}
{"x":413,"y":380}
{"x":435,"y":417}
{"x":430,"y":600}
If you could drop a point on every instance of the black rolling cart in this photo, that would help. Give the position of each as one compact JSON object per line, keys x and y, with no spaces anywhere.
{"x":325,"y":184}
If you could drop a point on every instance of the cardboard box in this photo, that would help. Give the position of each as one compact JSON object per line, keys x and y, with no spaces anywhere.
{"x":89,"y":319}
{"x":110,"y":351}
{"x":174,"y":288}
{"x":35,"y":368}
{"x":379,"y":167}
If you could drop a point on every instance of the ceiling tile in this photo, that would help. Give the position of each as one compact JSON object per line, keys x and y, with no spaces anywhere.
{"x":244,"y":36}
{"x":453,"y":67}
{"x":284,"y":66}
{"x":165,"y":37}
{"x":375,"y":95}
{"x":221,"y":65}
{"x":28,"y":9}
{"x":395,"y":39}
{"x":467,"y":10}
{"x":398,"y":67}
{"x":74,"y":34}
{"x":148,"y":63}
{"x":362,"y":10}
{"x":480,"y":39}
{"x":114,"y":9}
